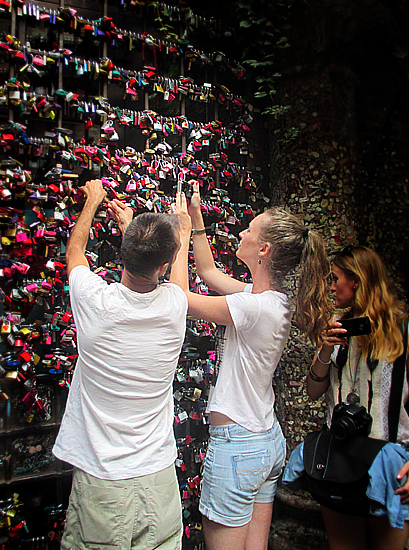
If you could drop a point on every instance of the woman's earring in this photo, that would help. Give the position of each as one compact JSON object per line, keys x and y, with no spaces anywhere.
{"x":259,"y":261}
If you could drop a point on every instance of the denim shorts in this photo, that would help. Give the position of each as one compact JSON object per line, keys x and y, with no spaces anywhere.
{"x":240,"y":468}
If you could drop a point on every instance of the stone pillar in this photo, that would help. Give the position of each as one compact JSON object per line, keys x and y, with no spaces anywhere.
{"x":316,"y":177}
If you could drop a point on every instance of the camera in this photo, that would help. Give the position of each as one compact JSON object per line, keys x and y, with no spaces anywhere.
{"x":349,"y":419}
{"x":186,"y":187}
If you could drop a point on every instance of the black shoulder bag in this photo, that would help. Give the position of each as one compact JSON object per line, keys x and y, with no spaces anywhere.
{"x":336,"y":470}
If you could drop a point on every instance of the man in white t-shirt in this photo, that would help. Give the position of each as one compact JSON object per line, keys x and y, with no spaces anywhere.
{"x":117,"y":429}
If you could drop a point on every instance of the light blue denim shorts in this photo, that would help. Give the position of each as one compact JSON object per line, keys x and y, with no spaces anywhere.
{"x":241,"y":467}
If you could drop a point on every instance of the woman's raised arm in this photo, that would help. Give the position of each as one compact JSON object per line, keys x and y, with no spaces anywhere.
{"x":205,"y":266}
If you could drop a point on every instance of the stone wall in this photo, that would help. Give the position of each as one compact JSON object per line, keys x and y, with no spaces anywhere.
{"x":346,"y":171}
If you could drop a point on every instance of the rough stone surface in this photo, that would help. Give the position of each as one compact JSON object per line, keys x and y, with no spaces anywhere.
{"x":297,"y":523}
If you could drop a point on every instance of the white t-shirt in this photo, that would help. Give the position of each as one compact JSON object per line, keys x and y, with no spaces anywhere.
{"x":118,"y":421}
{"x":252,"y":349}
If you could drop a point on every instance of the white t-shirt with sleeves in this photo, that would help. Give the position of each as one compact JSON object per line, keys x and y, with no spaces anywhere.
{"x":118,"y":421}
{"x":253,"y":346}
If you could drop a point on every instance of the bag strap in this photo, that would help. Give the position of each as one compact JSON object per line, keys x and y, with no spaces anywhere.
{"x":395,"y":398}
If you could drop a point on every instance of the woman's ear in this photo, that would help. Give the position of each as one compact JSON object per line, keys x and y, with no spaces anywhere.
{"x":265,"y":250}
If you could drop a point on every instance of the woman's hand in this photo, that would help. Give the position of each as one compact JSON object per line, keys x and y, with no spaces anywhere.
{"x":179,"y":271}
{"x":181,"y":211}
{"x":403,"y":491}
{"x":121,"y":213}
{"x":333,"y":336}
{"x":194,"y":205}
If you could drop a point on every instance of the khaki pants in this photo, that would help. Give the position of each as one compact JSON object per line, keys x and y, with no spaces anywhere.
{"x":132,"y":514}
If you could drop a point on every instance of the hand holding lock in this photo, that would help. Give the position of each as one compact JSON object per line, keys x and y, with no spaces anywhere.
{"x":121,"y":213}
{"x":94,"y":191}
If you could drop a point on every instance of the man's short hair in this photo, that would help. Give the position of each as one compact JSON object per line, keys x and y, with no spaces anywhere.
{"x":150,"y":241}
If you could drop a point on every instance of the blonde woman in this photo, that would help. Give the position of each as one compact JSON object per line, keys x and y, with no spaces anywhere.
{"x":246,"y":449}
{"x":361,"y":287}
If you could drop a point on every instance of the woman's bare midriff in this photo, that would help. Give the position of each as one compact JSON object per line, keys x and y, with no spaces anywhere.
{"x":219,"y":419}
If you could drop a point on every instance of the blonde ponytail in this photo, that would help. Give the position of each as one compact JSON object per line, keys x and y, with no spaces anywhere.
{"x":293,"y":245}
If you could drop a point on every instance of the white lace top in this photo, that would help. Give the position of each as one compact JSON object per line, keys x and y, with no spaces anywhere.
{"x":356,"y":374}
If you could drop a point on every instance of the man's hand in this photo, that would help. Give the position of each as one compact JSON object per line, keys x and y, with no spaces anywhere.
{"x":94,"y":191}
{"x":121,"y":213}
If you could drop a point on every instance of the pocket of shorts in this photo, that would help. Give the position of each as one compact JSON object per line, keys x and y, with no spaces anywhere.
{"x":251,"y":469}
{"x":101,"y":520}
{"x":165,"y":514}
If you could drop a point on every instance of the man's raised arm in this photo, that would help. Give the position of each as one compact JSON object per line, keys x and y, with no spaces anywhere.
{"x":75,"y":253}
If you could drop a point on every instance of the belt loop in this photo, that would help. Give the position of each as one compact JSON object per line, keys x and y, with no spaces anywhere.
{"x":227,"y":433}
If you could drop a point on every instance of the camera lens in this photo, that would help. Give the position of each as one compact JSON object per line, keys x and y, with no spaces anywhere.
{"x":343,"y":427}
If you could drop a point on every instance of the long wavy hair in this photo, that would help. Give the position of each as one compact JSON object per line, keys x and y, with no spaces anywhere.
{"x":293,"y":246}
{"x":375,"y":298}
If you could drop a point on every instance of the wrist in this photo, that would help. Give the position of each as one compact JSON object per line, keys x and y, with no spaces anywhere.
{"x":92,"y":203}
{"x":326,"y":350}
{"x":197,"y":219}
{"x":317,"y":378}
{"x":324,"y":357}
{"x":197,"y":231}
{"x":185,"y":240}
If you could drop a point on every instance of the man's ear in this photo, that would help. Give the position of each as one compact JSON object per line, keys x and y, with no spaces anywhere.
{"x":163,"y":269}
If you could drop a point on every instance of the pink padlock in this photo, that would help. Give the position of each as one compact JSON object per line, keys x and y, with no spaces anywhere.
{"x":21,"y":237}
{"x":32,"y":287}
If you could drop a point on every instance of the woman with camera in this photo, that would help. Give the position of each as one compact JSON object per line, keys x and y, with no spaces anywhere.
{"x":361,"y":287}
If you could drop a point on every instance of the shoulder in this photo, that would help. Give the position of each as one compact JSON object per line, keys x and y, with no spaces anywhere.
{"x":80,"y":274}
{"x":84,"y":283}
{"x":264,"y":299}
{"x":272,"y":300}
{"x":247,"y":309}
{"x":174,"y":290}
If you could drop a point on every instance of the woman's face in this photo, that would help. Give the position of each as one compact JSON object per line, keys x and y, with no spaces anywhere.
{"x":249,"y":245}
{"x":343,"y":287}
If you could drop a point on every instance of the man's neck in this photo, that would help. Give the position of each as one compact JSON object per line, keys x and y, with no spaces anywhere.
{"x":138,"y":283}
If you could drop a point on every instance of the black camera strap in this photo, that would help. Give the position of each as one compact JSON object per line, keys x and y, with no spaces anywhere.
{"x":342,"y":357}
{"x":371,"y":364}
{"x":340,"y":361}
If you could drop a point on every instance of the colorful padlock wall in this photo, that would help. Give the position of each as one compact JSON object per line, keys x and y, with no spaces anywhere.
{"x":105,"y":90}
